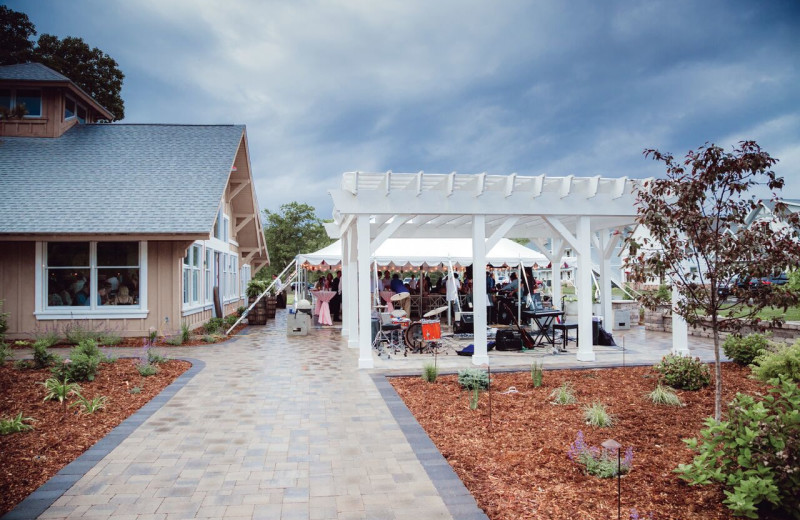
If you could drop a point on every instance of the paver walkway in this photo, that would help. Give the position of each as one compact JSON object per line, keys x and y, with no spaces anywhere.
{"x":279,"y":427}
{"x":273,"y":427}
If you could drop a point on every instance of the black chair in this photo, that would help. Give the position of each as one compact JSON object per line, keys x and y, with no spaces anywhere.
{"x":565,"y":328}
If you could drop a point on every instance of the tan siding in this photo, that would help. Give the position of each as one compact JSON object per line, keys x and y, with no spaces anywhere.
{"x":17,"y":261}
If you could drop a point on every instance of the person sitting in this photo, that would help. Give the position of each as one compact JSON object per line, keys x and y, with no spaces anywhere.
{"x":123,"y":296}
{"x":511,"y":287}
{"x":398,"y":286}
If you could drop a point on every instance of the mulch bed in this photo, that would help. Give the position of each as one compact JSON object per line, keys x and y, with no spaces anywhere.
{"x":28,"y":459}
{"x":516,"y":466}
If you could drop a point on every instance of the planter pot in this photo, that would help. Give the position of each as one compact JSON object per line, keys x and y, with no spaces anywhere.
{"x":258,"y":315}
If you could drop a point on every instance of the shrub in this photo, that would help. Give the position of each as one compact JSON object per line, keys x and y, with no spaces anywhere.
{"x":22,"y":364}
{"x":599,"y":462}
{"x":3,"y":323}
{"x":5,"y":352}
{"x":89,"y":406}
{"x":175,"y":341}
{"x":109,"y":339}
{"x":683,"y":372}
{"x":42,"y":357}
{"x":154,"y":357}
{"x":146,"y":369}
{"x":744,"y":350}
{"x":107,"y":356}
{"x":60,"y":389}
{"x":755,"y":454}
{"x":14,"y":425}
{"x":75,"y":333}
{"x":596,"y":415}
{"x":210,"y":338}
{"x":83,"y":363}
{"x":536,"y":374}
{"x":256,"y":287}
{"x":784,"y":362}
{"x":230,"y":320}
{"x":185,"y":333}
{"x":563,"y":395}
{"x":240,"y":310}
{"x":472,"y":378}
{"x":665,"y":396}
{"x":213,"y":325}
{"x":430,"y":373}
{"x":46,"y":336}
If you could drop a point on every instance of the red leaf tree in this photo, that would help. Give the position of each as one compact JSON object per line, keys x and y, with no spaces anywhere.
{"x":701,"y":242}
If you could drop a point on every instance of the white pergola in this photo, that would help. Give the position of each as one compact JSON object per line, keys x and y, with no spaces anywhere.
{"x":575,"y":212}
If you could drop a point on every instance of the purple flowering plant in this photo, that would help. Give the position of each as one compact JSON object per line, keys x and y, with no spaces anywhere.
{"x":599,"y":462}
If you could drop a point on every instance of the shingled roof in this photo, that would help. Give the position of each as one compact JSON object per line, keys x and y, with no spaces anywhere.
{"x":117,"y":178}
{"x":30,"y":72}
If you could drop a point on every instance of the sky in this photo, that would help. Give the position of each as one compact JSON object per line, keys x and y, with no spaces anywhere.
{"x":539,"y":87}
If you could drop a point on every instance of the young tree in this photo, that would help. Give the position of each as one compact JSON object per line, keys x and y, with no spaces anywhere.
{"x":294,"y":229}
{"x":701,"y":243}
{"x":90,"y":68}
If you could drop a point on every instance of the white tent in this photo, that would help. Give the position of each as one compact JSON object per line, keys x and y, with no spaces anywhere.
{"x":417,"y":252}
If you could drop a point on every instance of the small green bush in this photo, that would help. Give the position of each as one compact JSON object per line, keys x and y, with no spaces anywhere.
{"x":60,"y":389}
{"x":5,"y":353}
{"x":563,"y":395}
{"x":84,"y":361}
{"x":146,"y":369}
{"x":472,"y":378}
{"x":89,"y":406}
{"x":209,"y":338}
{"x":665,"y":396}
{"x":110,"y":339}
{"x":136,"y":390}
{"x":42,"y":357}
{"x":76,"y":332}
{"x":175,"y":341}
{"x":744,"y":350}
{"x":213,"y":325}
{"x":46,"y":336}
{"x":783,"y":362}
{"x":430,"y":372}
{"x":230,"y":320}
{"x":600,"y":462}
{"x":185,"y":333}
{"x":537,"y":374}
{"x":154,"y":357}
{"x":683,"y":372}
{"x":256,"y":287}
{"x":596,"y":415}
{"x":755,"y":454}
{"x":22,"y":364}
{"x":14,"y":425}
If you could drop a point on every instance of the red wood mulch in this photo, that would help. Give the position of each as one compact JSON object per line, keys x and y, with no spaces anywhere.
{"x":517,"y":466}
{"x":28,"y":459}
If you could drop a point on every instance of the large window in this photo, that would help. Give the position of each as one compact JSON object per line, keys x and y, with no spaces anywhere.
{"x":92,"y":275}
{"x":31,"y":99}
{"x":208,"y":267}
{"x":191,"y":276}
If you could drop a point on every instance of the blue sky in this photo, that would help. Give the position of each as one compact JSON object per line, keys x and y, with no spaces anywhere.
{"x":554,"y":87}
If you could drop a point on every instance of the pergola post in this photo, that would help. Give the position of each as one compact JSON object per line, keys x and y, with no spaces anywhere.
{"x":585,"y":338}
{"x":680,"y":329}
{"x":345,"y":266}
{"x":605,"y":278}
{"x":351,"y":287}
{"x":364,"y":307}
{"x":480,"y":355}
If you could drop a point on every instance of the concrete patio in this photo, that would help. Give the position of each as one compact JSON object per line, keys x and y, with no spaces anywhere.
{"x":279,"y":427}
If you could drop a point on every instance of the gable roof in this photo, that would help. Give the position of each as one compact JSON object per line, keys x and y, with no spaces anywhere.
{"x":117,"y":178}
{"x":38,"y":73}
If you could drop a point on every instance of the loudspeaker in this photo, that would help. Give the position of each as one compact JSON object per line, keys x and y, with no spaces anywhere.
{"x":508,"y":340}
{"x":465,"y":322}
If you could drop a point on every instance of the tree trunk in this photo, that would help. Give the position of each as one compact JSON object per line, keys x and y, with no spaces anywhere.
{"x":717,"y":372}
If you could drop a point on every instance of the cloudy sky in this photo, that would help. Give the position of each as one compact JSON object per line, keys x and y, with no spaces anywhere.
{"x":578,"y":87}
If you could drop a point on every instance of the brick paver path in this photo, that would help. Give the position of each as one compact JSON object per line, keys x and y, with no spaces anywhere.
{"x":273,"y":427}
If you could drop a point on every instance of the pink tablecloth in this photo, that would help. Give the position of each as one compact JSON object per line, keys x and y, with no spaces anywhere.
{"x":323,"y":308}
{"x":387,"y":297}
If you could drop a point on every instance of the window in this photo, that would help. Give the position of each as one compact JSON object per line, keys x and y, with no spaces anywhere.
{"x":69,"y":108}
{"x":81,"y":114}
{"x":92,"y":275}
{"x":191,"y":276}
{"x":221,"y":226}
{"x":32,"y":99}
{"x":208,"y":268}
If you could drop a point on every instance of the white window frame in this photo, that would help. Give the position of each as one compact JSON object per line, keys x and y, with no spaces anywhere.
{"x":208,"y":274}
{"x":74,"y":113}
{"x":93,"y":311}
{"x":191,"y":296}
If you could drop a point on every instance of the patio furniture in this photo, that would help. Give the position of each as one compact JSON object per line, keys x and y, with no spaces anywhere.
{"x":565,"y":328}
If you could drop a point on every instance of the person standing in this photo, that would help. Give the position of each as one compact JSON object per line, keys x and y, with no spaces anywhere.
{"x":336,"y":301}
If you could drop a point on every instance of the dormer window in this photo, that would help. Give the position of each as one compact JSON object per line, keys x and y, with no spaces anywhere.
{"x":81,"y":114}
{"x":69,"y":108}
{"x":31,"y":99}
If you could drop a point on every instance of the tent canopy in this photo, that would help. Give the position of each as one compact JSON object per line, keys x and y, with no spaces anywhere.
{"x":418,"y":252}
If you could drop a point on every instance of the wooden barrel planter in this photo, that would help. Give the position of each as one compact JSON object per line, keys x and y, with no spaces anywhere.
{"x":258,"y":316}
{"x":271,"y":305}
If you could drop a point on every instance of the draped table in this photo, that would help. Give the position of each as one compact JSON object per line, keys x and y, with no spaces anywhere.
{"x":323,"y":308}
{"x":387,"y":297}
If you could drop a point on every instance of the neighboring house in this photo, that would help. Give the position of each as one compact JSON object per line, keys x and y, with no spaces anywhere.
{"x":127,"y":227}
{"x":766,"y":211}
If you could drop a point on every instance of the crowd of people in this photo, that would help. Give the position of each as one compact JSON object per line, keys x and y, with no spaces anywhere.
{"x":74,"y":290}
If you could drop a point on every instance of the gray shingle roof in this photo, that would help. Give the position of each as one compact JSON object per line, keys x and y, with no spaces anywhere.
{"x":30,"y":72}
{"x":116,"y":178}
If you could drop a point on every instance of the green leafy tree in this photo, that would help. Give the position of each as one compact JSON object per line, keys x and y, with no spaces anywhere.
{"x":696,"y":218}
{"x":293,"y":229}
{"x":16,"y":31}
{"x":90,"y":68}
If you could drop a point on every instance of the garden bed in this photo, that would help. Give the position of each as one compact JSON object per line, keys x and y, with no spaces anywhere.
{"x":516,"y":466}
{"x":28,"y":459}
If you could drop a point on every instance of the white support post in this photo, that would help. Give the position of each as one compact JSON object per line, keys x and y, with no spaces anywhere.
{"x":480,"y":355}
{"x":351,"y":287}
{"x":584,"y":242}
{"x":680,"y":329}
{"x":556,"y":253}
{"x":364,"y":322}
{"x":345,"y":266}
{"x":605,"y":280}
